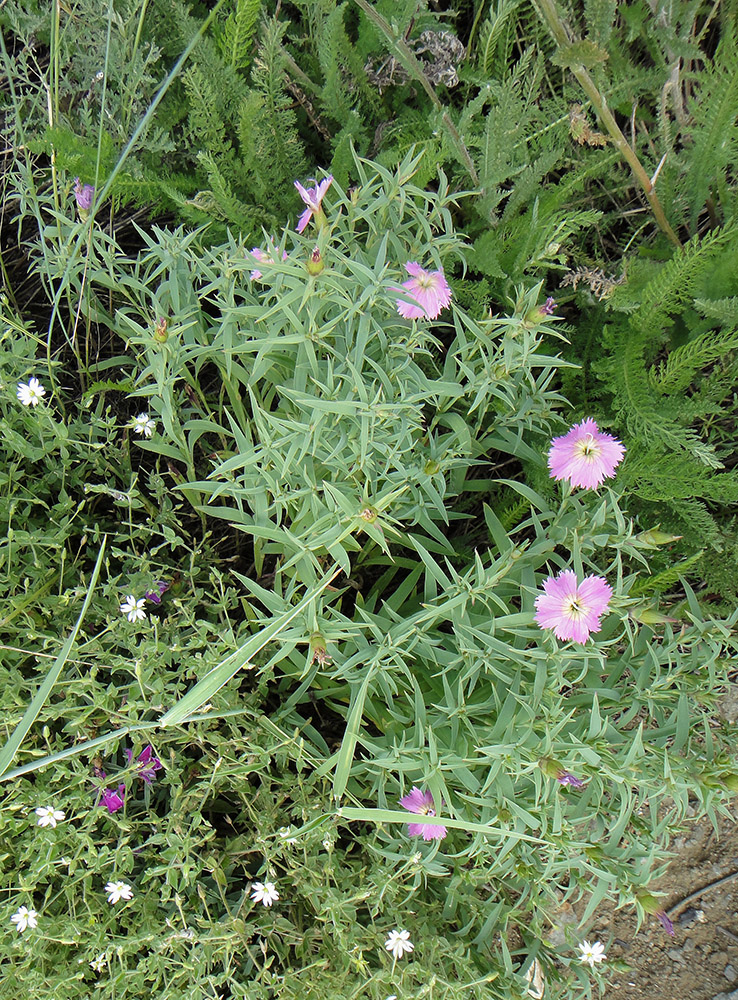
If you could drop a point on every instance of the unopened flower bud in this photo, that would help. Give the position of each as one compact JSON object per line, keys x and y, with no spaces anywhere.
{"x":653,"y":537}
{"x":730,"y":781}
{"x":431,"y":467}
{"x":315,"y":262}
{"x":368,"y":514}
{"x":160,"y":330}
{"x":649,"y":616}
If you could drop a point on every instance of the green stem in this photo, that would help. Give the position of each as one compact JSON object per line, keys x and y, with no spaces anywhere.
{"x":551,"y":16}
{"x":409,"y":60}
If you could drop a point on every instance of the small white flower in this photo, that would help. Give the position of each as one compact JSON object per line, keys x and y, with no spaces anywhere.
{"x":265,"y":893}
{"x":117,"y":891}
{"x":143,"y":424}
{"x":285,"y":832}
{"x":398,"y":942}
{"x":48,"y":816}
{"x":592,"y":953}
{"x":133,"y":608}
{"x":99,"y":963}
{"x":32,"y":393}
{"x":23,"y":918}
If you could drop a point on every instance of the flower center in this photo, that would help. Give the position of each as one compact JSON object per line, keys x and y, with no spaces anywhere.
{"x":426,"y":281}
{"x":575,"y":607}
{"x":589,"y":447}
{"x":427,"y":810}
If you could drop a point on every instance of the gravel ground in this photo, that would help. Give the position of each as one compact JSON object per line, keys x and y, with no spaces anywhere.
{"x":701,"y":960}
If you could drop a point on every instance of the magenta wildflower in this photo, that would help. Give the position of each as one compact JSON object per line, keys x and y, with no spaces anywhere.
{"x":146,"y":767}
{"x":154,"y":595}
{"x":84,"y":194}
{"x":429,"y":289}
{"x":112,"y":800}
{"x":573,"y":609}
{"x":585,"y":455}
{"x":667,"y":924}
{"x":422,"y":802}
{"x":264,"y":258}
{"x":313,"y":198}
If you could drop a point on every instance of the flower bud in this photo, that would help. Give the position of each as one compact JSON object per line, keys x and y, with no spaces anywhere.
{"x":651,"y":905}
{"x":315,"y":263}
{"x":431,"y":467}
{"x":368,"y":514}
{"x":160,"y":330}
{"x":318,"y":649}
{"x":539,"y":314}
{"x":84,"y":195}
{"x":730,"y":781}
{"x":653,"y":538}
{"x":649,"y":616}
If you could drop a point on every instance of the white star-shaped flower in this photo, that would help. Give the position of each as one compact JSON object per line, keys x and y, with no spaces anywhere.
{"x":48,"y":816}
{"x":285,"y":834}
{"x":117,"y":891}
{"x":143,"y":424}
{"x":99,"y":963}
{"x":133,"y":608}
{"x":265,"y":893}
{"x":31,"y":393}
{"x":398,"y":942}
{"x":23,"y":918}
{"x":591,"y":954}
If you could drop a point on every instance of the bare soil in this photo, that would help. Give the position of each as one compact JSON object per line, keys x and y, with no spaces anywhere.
{"x":701,"y":961}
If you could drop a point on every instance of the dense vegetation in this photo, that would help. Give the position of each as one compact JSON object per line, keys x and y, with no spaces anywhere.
{"x":290,"y":520}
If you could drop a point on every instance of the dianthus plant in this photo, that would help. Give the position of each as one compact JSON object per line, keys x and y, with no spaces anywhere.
{"x":484,"y":657}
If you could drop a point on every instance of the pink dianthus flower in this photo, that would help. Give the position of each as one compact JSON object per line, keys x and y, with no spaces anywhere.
{"x":429,"y":289}
{"x":585,"y":455}
{"x":264,"y":258}
{"x":573,"y":609}
{"x":313,"y":198}
{"x":422,"y":802}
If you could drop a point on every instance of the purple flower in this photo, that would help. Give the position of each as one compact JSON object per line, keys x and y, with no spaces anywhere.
{"x":84,"y":193}
{"x":155,"y":595}
{"x":585,"y":455}
{"x":667,"y":924}
{"x":422,"y":802}
{"x":564,"y":778}
{"x":112,"y":800}
{"x":146,"y":766}
{"x":429,"y":289}
{"x":313,"y":198}
{"x":570,"y":608}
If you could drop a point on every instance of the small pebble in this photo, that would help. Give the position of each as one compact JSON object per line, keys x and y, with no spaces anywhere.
{"x":730,"y":974}
{"x":675,"y":955}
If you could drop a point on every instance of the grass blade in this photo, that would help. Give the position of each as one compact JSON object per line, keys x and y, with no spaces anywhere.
{"x":7,"y":754}
{"x":213,"y":681}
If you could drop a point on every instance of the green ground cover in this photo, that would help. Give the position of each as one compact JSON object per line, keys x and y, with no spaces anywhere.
{"x":294,"y":565}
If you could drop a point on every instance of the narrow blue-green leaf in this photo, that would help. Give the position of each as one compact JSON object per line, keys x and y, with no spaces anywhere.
{"x":395,"y":816}
{"x":214,"y":680}
{"x":353,"y":725}
{"x":30,"y":715}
